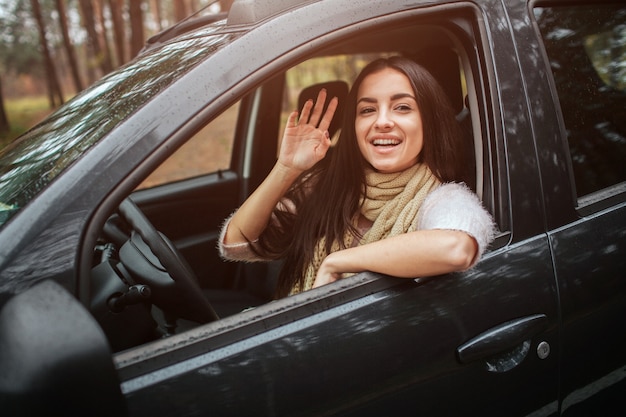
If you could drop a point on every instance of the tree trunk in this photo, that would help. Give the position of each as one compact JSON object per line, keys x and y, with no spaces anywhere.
{"x":119,"y":33}
{"x":102,"y":32}
{"x":136,"y":26}
{"x":180,"y":10}
{"x":69,"y":48}
{"x":89,"y":22}
{"x":54,"y":88}
{"x":5,"y":127}
{"x":155,"y":5}
{"x":225,"y":5}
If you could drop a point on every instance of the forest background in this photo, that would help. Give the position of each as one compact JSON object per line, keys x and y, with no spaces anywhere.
{"x":52,"y":49}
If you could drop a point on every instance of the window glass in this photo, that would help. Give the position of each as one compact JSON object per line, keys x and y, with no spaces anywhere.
{"x":29,"y":164}
{"x":586,"y":46}
{"x":207,"y":151}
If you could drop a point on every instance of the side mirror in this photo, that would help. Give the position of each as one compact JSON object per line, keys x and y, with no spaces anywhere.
{"x":54,"y":358}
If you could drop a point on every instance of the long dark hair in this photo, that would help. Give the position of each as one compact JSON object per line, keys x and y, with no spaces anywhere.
{"x":327,"y":197}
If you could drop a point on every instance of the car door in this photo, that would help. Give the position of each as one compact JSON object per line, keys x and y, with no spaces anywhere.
{"x":584,"y":50}
{"x":481,"y":342}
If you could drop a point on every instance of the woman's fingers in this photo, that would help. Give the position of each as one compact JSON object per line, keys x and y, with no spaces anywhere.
{"x":328,"y":115}
{"x":304,"y":114}
{"x":319,"y":107}
{"x":312,"y":112}
{"x":293,"y":119}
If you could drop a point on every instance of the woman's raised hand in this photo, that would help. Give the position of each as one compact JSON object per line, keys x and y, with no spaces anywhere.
{"x":305,"y":142}
{"x":306,"y":139}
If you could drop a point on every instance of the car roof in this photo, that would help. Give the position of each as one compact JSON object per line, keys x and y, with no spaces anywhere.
{"x":247,"y":12}
{"x":242,"y":13}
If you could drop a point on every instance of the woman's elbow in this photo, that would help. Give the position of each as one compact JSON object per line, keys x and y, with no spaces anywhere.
{"x":463,"y":251}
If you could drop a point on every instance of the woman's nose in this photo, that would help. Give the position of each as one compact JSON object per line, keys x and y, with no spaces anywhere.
{"x":383,"y":121}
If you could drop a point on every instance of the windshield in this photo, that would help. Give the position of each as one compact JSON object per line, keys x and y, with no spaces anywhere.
{"x":35,"y":159}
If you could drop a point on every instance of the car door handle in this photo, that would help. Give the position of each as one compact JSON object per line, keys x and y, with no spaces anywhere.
{"x":501,"y":338}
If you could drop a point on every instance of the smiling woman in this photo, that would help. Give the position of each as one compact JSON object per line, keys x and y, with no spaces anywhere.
{"x":391,"y":199}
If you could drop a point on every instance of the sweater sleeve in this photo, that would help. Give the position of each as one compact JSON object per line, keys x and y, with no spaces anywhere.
{"x":236,"y":251}
{"x":244,"y":252}
{"x":454,"y":206}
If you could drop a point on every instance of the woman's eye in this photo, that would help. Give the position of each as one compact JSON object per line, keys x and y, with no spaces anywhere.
{"x":403,"y":107}
{"x":366,"y":110}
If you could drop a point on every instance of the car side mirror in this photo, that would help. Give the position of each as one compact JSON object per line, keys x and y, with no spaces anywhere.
{"x":54,"y":358}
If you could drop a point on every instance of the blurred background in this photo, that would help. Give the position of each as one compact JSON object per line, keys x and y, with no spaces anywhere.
{"x":52,"y":49}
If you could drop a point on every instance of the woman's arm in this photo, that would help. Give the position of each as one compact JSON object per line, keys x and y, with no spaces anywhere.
{"x":453,"y":231}
{"x":305,"y":142}
{"x":410,"y":255}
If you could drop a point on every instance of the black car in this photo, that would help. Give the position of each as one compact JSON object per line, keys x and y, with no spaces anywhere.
{"x":114,"y":300}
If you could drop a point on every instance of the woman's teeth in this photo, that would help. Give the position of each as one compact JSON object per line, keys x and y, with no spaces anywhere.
{"x":385,"y":142}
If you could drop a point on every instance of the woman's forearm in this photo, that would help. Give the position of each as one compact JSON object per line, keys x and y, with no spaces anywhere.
{"x":253,"y":216}
{"x":410,"y":255}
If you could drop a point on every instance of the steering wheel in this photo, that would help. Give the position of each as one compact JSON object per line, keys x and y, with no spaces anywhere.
{"x":185,"y":296}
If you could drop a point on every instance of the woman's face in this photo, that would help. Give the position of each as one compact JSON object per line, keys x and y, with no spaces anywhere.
{"x":388,"y":123}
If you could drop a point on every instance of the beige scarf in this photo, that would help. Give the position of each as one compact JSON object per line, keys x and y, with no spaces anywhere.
{"x":391,"y":202}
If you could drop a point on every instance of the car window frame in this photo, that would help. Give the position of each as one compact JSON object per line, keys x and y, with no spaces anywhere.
{"x":485,"y":117}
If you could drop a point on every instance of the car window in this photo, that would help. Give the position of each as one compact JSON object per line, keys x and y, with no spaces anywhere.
{"x":446,"y":59}
{"x":207,"y":151}
{"x":586,"y":48}
{"x":35,"y":159}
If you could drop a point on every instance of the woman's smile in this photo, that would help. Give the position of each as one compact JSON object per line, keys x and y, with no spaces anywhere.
{"x":385,"y":141}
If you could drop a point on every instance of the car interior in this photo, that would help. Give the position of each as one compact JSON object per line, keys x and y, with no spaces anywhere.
{"x":156,"y":270}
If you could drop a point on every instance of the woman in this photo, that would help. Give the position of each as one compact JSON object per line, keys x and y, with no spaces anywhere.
{"x":384,"y":201}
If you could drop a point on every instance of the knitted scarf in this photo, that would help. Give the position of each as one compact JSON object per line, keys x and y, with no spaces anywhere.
{"x":391,"y":202}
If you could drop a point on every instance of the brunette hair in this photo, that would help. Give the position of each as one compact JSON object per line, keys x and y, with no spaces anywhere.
{"x":327,"y":197}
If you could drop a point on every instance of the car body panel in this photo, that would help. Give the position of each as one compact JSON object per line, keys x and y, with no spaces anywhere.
{"x":423,"y":323}
{"x":592,"y":281}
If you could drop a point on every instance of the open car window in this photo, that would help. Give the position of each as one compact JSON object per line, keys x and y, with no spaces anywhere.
{"x":243,"y":139}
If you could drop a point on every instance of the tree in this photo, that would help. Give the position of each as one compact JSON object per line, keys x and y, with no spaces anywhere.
{"x":136,"y":26}
{"x":69,"y":48}
{"x":155,"y":6}
{"x":101,"y":29}
{"x":119,"y":32}
{"x":181,"y":10}
{"x":4,"y":120}
{"x":54,"y":88}
{"x":89,"y":22}
{"x":225,"y":5}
